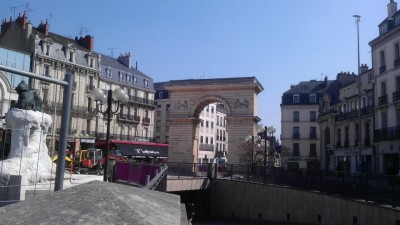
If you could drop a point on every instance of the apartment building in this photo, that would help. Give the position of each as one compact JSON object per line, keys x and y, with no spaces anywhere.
{"x":300,"y":131}
{"x":163,"y":104}
{"x":386,"y":69}
{"x":135,"y":120}
{"x":53,"y":55}
{"x":343,"y":108}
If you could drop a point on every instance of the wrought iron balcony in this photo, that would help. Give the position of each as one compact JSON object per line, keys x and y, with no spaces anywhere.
{"x":134,"y":118}
{"x":382,"y":100}
{"x":146,"y":120}
{"x":140,"y":100}
{"x":396,"y":96}
{"x":206,"y":147}
{"x":396,"y":62}
{"x":387,"y":134}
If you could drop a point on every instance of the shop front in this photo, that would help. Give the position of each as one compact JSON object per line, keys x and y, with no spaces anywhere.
{"x":350,"y":160}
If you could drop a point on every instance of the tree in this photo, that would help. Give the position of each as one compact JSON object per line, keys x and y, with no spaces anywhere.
{"x":253,"y":154}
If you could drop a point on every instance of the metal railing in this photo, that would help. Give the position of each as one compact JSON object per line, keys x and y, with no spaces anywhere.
{"x":380,"y":189}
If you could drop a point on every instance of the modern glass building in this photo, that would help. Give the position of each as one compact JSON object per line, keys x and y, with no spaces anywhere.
{"x":15,"y":60}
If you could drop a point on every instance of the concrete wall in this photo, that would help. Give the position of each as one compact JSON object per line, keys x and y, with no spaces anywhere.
{"x":248,"y":201}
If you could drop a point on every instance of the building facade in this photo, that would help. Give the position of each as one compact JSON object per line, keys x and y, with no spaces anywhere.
{"x":386,"y":69}
{"x":300,"y":135}
{"x":53,"y":55}
{"x":344,"y":106}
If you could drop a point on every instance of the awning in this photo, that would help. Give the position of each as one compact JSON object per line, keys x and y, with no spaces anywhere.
{"x":142,"y":150}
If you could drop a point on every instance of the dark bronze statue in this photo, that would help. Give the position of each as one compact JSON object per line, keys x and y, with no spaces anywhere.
{"x":28,"y":99}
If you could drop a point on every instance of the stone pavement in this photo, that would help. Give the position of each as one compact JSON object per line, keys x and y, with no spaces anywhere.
{"x":96,"y":202}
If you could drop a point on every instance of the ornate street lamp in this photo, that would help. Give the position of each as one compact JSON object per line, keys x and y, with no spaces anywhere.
{"x":266,"y":130}
{"x":121,"y":98}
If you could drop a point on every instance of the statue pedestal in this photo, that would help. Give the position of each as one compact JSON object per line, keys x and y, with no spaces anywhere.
{"x":28,"y":152}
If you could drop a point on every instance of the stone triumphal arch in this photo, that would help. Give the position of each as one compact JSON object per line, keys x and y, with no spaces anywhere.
{"x":189,"y":97}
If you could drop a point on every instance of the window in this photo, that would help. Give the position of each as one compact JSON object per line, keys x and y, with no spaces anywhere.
{"x":384,"y":120}
{"x":212,"y":141}
{"x":313,"y":150}
{"x":398,"y":117}
{"x":91,"y":62}
{"x":296,"y":116}
{"x":212,"y":125}
{"x":46,"y":71}
{"x":201,"y":139}
{"x":296,"y":133}
{"x":396,"y":54}
{"x":146,"y":83}
{"x":383,"y":88}
{"x":313,"y":132}
{"x":47,"y":49}
{"x":45,"y":96}
{"x":121,"y":76}
{"x":71,"y":56}
{"x":296,"y":99}
{"x":212,"y":109}
{"x":313,"y":98}
{"x":135,"y":80}
{"x":128,"y":78}
{"x":296,"y":149}
{"x":382,"y":67}
{"x":206,"y":124}
{"x":206,"y":140}
{"x":313,"y":116}
{"x":108,"y":72}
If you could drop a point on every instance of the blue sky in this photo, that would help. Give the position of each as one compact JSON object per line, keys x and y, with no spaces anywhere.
{"x":280,"y":42}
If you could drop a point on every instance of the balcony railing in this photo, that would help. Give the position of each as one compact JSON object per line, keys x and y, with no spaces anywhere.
{"x":134,"y":118}
{"x":396,"y":96}
{"x":382,"y":69}
{"x":206,"y":147}
{"x":382,"y":100}
{"x":396,"y":62}
{"x":141,"y":100}
{"x":146,"y":120}
{"x":296,"y":135}
{"x":387,"y":134}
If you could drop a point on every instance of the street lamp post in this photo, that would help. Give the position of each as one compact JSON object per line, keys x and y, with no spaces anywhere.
{"x":247,"y":139}
{"x":120,"y":98}
{"x":266,"y":130}
{"x":359,"y":92}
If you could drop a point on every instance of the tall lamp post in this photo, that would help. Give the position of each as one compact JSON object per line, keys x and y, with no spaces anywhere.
{"x":121,"y":98}
{"x":359,"y":92}
{"x":247,"y":139}
{"x":266,"y":130}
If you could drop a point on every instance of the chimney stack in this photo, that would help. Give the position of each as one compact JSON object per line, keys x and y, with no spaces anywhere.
{"x":5,"y":25}
{"x":363,"y":68}
{"x":87,"y":42}
{"x":44,"y":27}
{"x":125,"y":59}
{"x":326,"y":82}
{"x":392,"y":9}
{"x":21,"y":21}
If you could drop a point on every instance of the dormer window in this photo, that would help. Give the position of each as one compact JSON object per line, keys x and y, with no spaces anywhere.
{"x":128,"y":78}
{"x":313,"y":98}
{"x":71,"y":56}
{"x":47,"y":49}
{"x":296,"y":99}
{"x":146,"y":83}
{"x":91,"y":62}
{"x":135,"y":80}
{"x":121,"y":76}
{"x":109,"y":73}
